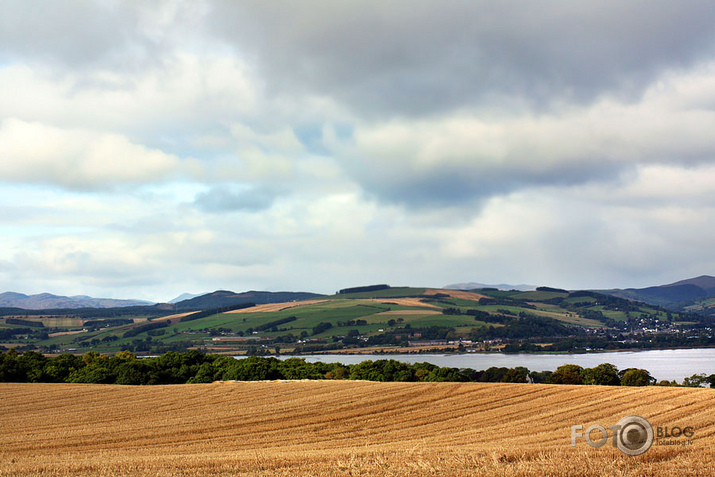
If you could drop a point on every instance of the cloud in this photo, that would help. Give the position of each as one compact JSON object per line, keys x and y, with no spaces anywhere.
{"x":403,"y":58}
{"x":568,"y":237}
{"x":184,"y":146}
{"x":222,"y":199}
{"x":100,"y":35}
{"x":169,"y":105}
{"x":67,"y":32}
{"x":108,"y":262}
{"x":658,"y":186}
{"x":176,"y":248}
{"x":458,"y":158}
{"x":32,"y":152}
{"x":410,"y":58}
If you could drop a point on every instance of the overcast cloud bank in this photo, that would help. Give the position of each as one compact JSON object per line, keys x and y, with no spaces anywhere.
{"x":152,"y":149}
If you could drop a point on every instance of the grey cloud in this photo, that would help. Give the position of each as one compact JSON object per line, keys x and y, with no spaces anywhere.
{"x":417,"y":57}
{"x":122,"y":36}
{"x":385,"y":58}
{"x":77,"y":159}
{"x":223,"y":199}
{"x":492,"y":125}
{"x":469,"y":184}
{"x":92,"y":268}
{"x":466,"y":157}
{"x":68,"y":32}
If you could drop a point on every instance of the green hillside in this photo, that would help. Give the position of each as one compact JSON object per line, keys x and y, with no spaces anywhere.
{"x":356,"y":319}
{"x":694,"y":294}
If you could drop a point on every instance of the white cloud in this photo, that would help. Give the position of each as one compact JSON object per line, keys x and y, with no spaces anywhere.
{"x":470,"y":154}
{"x":77,"y":159}
{"x":334,"y":145}
{"x":659,"y":185}
{"x":187,"y":94}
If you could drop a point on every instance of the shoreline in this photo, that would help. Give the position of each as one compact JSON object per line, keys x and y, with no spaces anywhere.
{"x":468,"y":353}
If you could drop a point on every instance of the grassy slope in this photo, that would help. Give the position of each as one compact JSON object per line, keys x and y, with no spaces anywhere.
{"x":341,"y":428}
{"x":339,"y":309}
{"x":539,"y":295}
{"x":368,"y":306}
{"x":702,"y":305}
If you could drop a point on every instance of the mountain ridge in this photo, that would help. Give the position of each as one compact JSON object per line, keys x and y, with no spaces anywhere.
{"x":224,"y":298}
{"x":47,"y":301}
{"x":677,"y":295}
{"x":706,"y":282}
{"x":186,"y":296}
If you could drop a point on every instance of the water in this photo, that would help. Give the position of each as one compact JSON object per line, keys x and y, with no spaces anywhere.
{"x":662,"y":364}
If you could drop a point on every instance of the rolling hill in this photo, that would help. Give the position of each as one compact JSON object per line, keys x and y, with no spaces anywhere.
{"x":47,"y":301}
{"x":674,"y":296}
{"x":224,"y":298}
{"x":377,"y":318}
{"x":380,"y":318}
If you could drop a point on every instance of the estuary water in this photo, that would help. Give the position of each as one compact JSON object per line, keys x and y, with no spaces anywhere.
{"x":663,"y":364}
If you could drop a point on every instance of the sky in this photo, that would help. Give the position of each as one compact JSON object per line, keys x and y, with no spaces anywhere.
{"x":149,"y":149}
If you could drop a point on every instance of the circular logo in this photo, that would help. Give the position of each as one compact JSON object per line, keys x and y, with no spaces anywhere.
{"x":635,"y":435}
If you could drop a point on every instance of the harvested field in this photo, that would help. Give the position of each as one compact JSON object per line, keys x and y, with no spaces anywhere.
{"x":274,"y":307}
{"x":66,"y":333}
{"x":409,"y":312}
{"x":53,"y":321}
{"x":465,"y":295}
{"x":171,"y":318}
{"x":271,"y":307}
{"x":415,"y":302}
{"x":340,"y":428}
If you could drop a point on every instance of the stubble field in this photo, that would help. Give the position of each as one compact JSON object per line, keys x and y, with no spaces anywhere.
{"x":337,"y":428}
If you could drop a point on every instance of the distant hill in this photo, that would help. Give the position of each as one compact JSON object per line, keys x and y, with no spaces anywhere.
{"x":501,"y":286}
{"x":224,"y":298}
{"x":46,"y":301}
{"x":673,"y":295}
{"x":366,"y":316}
{"x":706,"y":282}
{"x":185,"y":296}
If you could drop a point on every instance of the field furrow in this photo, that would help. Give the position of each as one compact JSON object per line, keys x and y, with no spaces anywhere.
{"x":341,"y":428}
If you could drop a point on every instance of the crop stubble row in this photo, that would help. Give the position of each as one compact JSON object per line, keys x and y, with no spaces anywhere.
{"x":339,"y":427}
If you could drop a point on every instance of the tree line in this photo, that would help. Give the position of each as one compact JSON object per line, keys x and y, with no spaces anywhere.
{"x":195,"y":367}
{"x":365,"y":289}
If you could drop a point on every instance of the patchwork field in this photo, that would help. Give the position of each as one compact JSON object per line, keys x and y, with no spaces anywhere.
{"x":341,"y":428}
{"x":464,"y":295}
{"x":272,"y":307}
{"x":388,"y":317}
